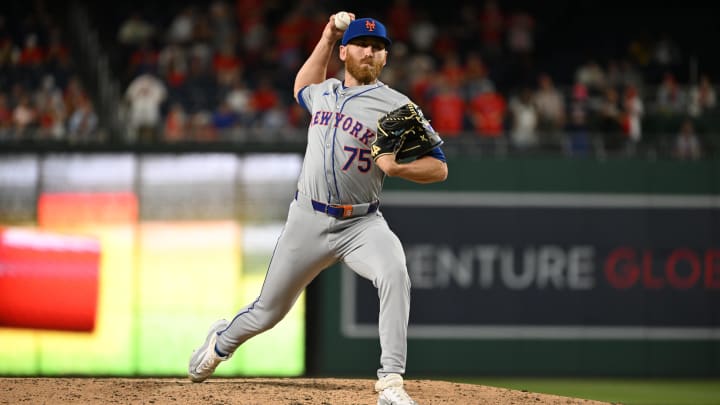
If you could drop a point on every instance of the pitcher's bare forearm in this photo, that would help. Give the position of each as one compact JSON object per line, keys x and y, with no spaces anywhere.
{"x":423,"y":170}
{"x":314,"y":70}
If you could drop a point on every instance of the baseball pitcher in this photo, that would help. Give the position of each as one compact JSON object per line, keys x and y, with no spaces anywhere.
{"x":360,"y":131}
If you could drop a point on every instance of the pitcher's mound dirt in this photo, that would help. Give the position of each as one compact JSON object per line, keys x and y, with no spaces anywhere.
{"x":251,"y":391}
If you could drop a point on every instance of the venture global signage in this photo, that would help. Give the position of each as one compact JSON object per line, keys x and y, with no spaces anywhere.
{"x":488,"y":265}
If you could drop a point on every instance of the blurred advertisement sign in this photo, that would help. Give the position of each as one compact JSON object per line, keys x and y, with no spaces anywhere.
{"x":72,"y":210}
{"x":49,"y":278}
{"x":556,"y":266}
{"x":48,"y":281}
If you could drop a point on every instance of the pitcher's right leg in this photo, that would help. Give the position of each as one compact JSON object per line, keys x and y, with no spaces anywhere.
{"x":300,"y":254}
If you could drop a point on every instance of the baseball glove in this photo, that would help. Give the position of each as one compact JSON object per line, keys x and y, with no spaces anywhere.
{"x":405,"y":133}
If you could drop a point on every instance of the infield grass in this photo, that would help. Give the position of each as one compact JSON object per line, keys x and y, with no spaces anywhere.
{"x":623,"y":391}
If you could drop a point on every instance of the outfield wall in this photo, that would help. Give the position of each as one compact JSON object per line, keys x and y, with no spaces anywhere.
{"x":519,"y":267}
{"x":544,"y":267}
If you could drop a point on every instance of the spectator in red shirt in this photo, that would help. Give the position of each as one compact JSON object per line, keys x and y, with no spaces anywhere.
{"x":445,"y":45}
{"x":492,"y":27}
{"x":487,"y":113}
{"x":175,"y":124}
{"x":226,"y":64}
{"x":447,"y":109}
{"x":57,"y":52}
{"x":264,"y":99}
{"x":400,"y":16}
{"x":175,"y":75}
{"x":248,"y":9}
{"x":173,"y":66}
{"x":421,"y":78}
{"x":31,"y":54}
{"x":453,"y":72}
{"x":315,"y":25}
{"x":289,"y":35}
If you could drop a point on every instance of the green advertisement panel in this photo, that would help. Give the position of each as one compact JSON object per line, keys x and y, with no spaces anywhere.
{"x":543,"y":267}
{"x":116,"y":264}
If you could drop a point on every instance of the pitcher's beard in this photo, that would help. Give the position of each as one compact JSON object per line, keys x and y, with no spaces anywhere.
{"x":362,"y":72}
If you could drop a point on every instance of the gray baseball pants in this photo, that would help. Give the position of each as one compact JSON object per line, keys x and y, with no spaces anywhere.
{"x":310,"y":242}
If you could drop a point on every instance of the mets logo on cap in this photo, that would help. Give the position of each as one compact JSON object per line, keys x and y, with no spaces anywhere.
{"x":365,"y":27}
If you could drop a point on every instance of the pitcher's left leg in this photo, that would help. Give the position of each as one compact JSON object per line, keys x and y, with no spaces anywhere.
{"x":376,"y":254}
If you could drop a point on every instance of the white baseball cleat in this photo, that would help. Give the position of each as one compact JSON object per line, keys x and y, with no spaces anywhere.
{"x":392,"y":392}
{"x":205,"y":359}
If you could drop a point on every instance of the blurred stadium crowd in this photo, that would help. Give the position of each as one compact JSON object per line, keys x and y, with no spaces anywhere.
{"x":492,"y":74}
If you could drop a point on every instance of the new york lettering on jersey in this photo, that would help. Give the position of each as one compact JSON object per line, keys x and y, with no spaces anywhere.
{"x":345,"y":122}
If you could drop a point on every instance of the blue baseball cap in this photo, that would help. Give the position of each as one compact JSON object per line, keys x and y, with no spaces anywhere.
{"x":365,"y":27}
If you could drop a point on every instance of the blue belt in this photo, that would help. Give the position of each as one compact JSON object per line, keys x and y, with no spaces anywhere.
{"x":340,"y":210}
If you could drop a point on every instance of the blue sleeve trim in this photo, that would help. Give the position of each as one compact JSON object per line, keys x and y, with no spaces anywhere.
{"x":438,"y":154}
{"x":300,"y":99}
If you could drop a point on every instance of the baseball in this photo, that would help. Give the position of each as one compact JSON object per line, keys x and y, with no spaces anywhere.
{"x":342,"y":20}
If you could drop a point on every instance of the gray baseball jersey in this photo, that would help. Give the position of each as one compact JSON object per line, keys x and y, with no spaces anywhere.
{"x":338,"y":169}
